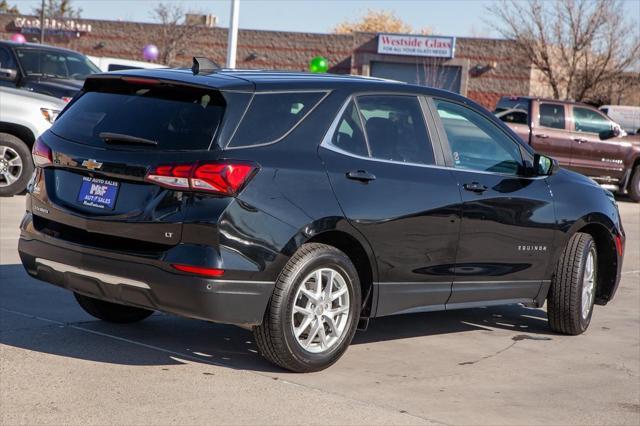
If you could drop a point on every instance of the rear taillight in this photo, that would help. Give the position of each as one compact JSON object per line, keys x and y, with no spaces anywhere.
{"x":41,"y":154}
{"x":218,"y":177}
{"x":199,"y":270}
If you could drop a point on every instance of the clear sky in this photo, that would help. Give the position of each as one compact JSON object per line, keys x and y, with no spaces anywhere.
{"x":445,"y":17}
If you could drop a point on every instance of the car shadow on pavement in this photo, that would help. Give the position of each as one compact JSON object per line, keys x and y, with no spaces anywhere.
{"x":624,"y":198}
{"x":43,"y":318}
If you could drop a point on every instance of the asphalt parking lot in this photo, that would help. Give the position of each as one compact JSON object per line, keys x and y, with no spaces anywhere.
{"x":480,"y":366}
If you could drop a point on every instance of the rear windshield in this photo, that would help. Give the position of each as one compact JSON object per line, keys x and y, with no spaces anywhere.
{"x":176,"y":118}
{"x":519,"y":104}
{"x":271,"y":115}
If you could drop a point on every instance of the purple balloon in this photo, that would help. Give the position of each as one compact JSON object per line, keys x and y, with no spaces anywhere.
{"x":18,"y":38}
{"x":150,"y":52}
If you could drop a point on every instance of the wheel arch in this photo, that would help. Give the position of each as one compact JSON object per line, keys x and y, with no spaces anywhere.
{"x":602,"y":230}
{"x":350,"y":246}
{"x":23,"y":133}
{"x":341,"y":235}
{"x":636,"y":163}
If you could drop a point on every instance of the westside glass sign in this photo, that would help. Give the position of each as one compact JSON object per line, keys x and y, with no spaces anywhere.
{"x":415,"y":45}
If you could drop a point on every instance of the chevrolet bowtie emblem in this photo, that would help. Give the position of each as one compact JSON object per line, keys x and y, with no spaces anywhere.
{"x":92,"y":164}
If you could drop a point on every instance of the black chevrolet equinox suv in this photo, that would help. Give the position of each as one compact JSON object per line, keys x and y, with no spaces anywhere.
{"x":301,"y":206}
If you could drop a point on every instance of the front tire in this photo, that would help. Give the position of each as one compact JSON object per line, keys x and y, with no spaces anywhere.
{"x":313,"y":312}
{"x":16,"y":165}
{"x":573,"y":289}
{"x":111,"y":312}
{"x":634,"y":185}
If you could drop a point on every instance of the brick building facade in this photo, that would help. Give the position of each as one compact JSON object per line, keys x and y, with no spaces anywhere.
{"x":483,"y":69}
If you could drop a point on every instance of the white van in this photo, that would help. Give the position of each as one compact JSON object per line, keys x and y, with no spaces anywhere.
{"x":628,"y":117}
{"x":116,"y":64}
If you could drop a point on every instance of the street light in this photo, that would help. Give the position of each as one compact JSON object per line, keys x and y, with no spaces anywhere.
{"x":232,"y":40}
{"x":42,"y":23}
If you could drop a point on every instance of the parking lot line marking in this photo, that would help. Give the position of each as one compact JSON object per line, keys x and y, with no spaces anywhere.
{"x":145,"y":345}
{"x":32,"y":316}
{"x":216,"y":364}
{"x":636,"y":271}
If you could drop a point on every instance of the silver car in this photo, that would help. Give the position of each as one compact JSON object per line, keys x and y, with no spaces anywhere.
{"x":23,"y":117}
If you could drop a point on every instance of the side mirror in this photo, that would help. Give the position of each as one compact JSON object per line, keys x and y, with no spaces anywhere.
{"x":614,"y":132}
{"x":545,"y":166}
{"x":8,"y":74}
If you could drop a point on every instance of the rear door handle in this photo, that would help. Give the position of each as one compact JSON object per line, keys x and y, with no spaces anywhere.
{"x":542,"y":136}
{"x":360,"y":175}
{"x":475,"y":187}
{"x":580,"y":140}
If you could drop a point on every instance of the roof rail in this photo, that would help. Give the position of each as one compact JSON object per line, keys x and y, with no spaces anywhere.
{"x":203,"y":66}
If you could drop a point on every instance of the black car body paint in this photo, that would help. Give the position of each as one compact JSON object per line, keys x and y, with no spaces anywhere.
{"x":423,"y":236}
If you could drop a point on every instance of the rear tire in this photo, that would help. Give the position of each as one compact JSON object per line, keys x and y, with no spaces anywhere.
{"x":111,"y":312}
{"x":304,"y":328}
{"x":634,"y":185}
{"x":573,"y":289}
{"x":16,"y":165}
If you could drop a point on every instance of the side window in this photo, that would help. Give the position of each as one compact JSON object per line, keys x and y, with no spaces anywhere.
{"x":587,"y":120}
{"x":271,"y":115}
{"x":395,"y":128}
{"x":552,"y":116}
{"x":476,"y":143}
{"x":349,"y":136}
{"x":6,"y":59}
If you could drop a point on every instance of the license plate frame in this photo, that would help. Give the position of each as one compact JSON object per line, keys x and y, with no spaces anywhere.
{"x":98,"y":193}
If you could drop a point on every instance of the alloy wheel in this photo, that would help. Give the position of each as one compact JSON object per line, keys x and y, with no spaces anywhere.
{"x":588,"y":283}
{"x":10,"y":166}
{"x":320,"y":311}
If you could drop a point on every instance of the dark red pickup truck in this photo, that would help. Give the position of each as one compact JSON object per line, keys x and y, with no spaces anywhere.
{"x":580,"y":137}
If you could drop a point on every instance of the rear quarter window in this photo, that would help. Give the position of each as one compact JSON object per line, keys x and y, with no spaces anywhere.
{"x":271,"y":116}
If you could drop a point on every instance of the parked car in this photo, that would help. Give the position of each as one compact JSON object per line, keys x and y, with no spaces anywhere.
{"x":580,"y":137}
{"x":43,"y":69}
{"x":627,"y":116}
{"x":23,"y":117}
{"x":107,"y":64}
{"x":300,"y":206}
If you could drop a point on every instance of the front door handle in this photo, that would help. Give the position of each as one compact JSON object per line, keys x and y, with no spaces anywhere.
{"x":361,"y":175}
{"x":580,"y":140}
{"x":542,"y":136}
{"x":475,"y":187}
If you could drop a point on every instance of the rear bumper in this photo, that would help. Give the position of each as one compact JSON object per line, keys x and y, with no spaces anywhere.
{"x":141,"y":282}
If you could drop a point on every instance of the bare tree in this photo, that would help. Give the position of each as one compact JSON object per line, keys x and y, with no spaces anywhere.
{"x":174,"y":32}
{"x":5,"y":8}
{"x":578,"y":45}
{"x":58,"y":9}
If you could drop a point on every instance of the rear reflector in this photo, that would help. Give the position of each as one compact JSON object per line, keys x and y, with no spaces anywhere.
{"x":217,"y":177}
{"x":41,"y":154}
{"x":198,"y":270}
{"x":619,"y":246}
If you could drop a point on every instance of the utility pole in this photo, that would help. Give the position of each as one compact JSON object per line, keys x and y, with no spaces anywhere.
{"x":232,"y":39}
{"x":42,"y":23}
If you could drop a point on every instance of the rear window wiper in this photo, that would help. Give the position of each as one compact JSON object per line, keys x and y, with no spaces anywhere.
{"x":109,"y":137}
